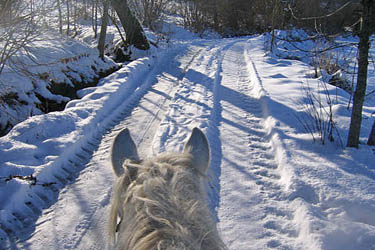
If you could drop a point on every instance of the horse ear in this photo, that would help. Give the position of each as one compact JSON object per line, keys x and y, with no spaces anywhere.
{"x":197,"y":145}
{"x":123,"y":148}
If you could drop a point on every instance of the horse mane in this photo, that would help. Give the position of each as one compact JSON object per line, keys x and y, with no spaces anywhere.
{"x":161,"y":205}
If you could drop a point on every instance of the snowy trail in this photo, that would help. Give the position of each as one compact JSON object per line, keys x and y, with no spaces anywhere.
{"x":250,"y":174}
{"x":89,"y":219}
{"x":269,"y":186}
{"x":79,"y":215}
{"x":211,"y":86}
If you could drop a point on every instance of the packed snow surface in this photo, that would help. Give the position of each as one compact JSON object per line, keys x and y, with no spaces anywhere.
{"x":270,"y":185}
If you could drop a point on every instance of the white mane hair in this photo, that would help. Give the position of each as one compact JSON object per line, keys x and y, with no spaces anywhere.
{"x":160,"y":204}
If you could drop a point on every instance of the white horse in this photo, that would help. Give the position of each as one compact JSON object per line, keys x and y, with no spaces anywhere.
{"x":160,"y":203}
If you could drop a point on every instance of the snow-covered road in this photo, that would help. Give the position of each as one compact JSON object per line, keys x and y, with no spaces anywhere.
{"x":213,"y":85}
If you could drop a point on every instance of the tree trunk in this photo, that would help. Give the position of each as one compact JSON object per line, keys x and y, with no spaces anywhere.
{"x":371,"y":138}
{"x":67,"y":17}
{"x":103,"y":30}
{"x":114,"y":21}
{"x":275,"y":9}
{"x":60,"y":16}
{"x":94,"y":18}
{"x":133,"y":29}
{"x":359,"y":94}
{"x":75,"y":18}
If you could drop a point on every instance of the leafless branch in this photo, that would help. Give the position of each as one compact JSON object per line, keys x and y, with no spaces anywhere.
{"x":318,"y":17}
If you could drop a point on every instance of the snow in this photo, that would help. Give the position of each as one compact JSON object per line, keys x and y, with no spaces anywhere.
{"x":270,"y":185}
{"x":332,"y":187}
{"x":31,"y":71}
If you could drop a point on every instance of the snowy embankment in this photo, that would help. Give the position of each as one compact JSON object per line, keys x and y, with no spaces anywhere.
{"x":50,"y":144}
{"x":45,"y":75}
{"x":331,"y":188}
{"x":271,"y":186}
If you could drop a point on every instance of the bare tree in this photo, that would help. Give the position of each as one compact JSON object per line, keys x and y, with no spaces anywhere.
{"x":94,"y":17}
{"x":134,"y":32}
{"x":103,"y":29}
{"x":275,"y":13}
{"x":17,"y":29}
{"x":60,"y":16}
{"x":67,"y":2}
{"x":371,"y":138}
{"x":367,"y":24}
{"x":149,"y":11}
{"x":360,"y":92}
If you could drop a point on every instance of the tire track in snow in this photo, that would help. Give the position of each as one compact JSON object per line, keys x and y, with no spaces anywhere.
{"x":69,"y":165}
{"x":215,"y":86}
{"x":143,"y":127}
{"x":142,"y":116}
{"x":195,"y":105}
{"x":20,"y":221}
{"x":74,"y":168}
{"x":249,"y":172}
{"x":192,"y":104}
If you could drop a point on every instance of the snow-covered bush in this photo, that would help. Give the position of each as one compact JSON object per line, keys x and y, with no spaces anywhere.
{"x":333,"y":60}
{"x":317,"y":117}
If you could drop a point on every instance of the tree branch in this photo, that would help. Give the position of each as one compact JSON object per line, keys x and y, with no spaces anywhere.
{"x":317,"y":17}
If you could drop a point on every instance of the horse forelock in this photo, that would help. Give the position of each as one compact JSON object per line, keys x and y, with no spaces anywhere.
{"x":161,"y":205}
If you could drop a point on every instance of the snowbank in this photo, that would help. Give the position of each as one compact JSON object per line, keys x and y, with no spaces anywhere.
{"x":332,"y":188}
{"x":45,"y":75}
